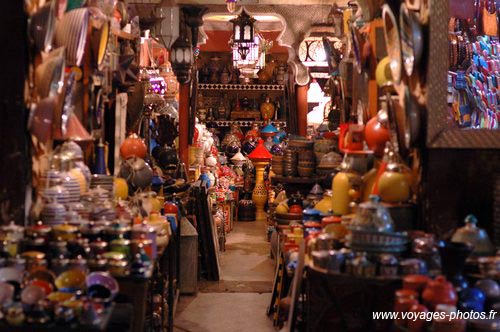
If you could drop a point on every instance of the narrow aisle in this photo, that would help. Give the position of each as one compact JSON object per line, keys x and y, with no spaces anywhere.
{"x":238,"y":302}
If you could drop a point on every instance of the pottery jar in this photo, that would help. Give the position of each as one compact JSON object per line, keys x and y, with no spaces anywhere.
{"x":133,"y":146}
{"x":394,"y":183}
{"x":267,"y":110}
{"x":415,"y":282}
{"x":439,"y":291}
{"x":377,"y":132}
{"x":417,"y":325}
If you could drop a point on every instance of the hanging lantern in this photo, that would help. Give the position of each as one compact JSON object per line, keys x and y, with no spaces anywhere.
{"x":243,"y":28}
{"x":312,"y":52}
{"x":167,"y":29}
{"x":243,"y":33}
{"x":181,"y":57}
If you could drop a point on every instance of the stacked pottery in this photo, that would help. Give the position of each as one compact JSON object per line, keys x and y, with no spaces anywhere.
{"x":328,"y":163}
{"x":103,"y":181}
{"x":322,"y":147}
{"x":306,"y":163}
{"x":277,"y":165}
{"x":290,"y":163}
{"x":53,"y":214}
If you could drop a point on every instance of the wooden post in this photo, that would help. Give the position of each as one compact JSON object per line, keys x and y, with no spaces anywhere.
{"x":302,"y":109}
{"x":184,"y":122}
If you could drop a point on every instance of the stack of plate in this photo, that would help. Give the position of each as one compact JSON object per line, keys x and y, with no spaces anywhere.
{"x":322,"y":147}
{"x":53,"y":214}
{"x":290,"y":163}
{"x":56,"y":194}
{"x":72,"y":186}
{"x":102,"y":181}
{"x":50,"y":178}
{"x":277,"y":165}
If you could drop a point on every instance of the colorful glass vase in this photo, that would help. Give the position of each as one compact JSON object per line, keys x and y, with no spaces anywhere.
{"x":267,"y":110}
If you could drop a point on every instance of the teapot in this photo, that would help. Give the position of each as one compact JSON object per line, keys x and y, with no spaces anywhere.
{"x":474,"y":235}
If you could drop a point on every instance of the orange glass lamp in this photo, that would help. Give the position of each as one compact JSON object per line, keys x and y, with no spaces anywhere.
{"x":260,"y":158}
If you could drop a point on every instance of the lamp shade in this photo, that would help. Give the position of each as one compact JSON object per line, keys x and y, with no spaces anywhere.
{"x":167,"y":30}
{"x":260,"y":153}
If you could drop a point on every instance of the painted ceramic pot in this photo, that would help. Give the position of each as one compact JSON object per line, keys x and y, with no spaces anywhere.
{"x":133,"y":146}
{"x":267,"y":109}
{"x":439,"y":291}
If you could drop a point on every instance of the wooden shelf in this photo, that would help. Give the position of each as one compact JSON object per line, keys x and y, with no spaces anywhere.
{"x":245,"y":123}
{"x":241,"y":87}
{"x":297,"y":180}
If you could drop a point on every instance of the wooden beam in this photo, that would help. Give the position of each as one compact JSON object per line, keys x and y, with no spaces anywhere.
{"x":184,"y":122}
{"x":302,"y":109}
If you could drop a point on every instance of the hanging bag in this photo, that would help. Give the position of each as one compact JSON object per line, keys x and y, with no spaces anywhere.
{"x":490,"y":20}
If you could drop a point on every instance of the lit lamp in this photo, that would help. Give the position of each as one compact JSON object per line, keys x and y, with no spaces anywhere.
{"x":167,"y":30}
{"x":243,"y":33}
{"x":260,"y":158}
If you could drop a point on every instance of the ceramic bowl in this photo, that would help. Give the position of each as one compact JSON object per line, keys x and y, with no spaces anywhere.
{"x":40,"y":119}
{"x":43,"y":275}
{"x":412,"y":119}
{"x":71,"y":32}
{"x":10,"y":274}
{"x":42,"y":27}
{"x":32,"y":294}
{"x":102,"y":279}
{"x":392,"y":42}
{"x":45,"y":285}
{"x":71,"y":280}
{"x":6,"y":292}
{"x":49,"y":75}
{"x":58,"y":297}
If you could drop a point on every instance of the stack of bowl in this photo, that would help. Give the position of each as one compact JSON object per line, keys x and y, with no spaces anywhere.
{"x":277,"y":165}
{"x":290,"y":163}
{"x":306,"y":163}
{"x":329,"y":163}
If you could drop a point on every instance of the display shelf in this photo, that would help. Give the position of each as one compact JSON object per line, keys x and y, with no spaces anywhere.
{"x":241,"y":87}
{"x":244,"y":123}
{"x":298,"y":180}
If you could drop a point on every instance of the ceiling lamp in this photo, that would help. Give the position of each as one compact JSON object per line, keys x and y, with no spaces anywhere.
{"x":167,"y":30}
{"x":243,"y":33}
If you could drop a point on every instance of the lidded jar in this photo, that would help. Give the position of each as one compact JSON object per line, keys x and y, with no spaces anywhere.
{"x":372,"y":216}
{"x":474,"y":235}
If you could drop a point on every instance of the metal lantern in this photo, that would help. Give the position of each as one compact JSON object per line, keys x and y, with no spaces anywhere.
{"x":181,"y":56}
{"x":243,"y":29}
{"x":167,"y":30}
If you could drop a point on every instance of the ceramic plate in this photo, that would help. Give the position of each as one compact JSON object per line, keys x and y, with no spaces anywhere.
{"x":411,"y":39}
{"x":412,"y":119}
{"x":71,"y":31}
{"x":356,"y":49}
{"x":392,"y":42}
{"x":42,"y":27}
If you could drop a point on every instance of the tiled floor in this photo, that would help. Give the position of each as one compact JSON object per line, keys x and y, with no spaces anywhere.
{"x":240,"y":300}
